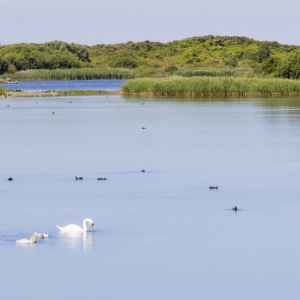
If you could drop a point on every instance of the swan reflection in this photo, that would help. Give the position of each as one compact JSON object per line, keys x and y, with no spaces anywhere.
{"x":74,"y":240}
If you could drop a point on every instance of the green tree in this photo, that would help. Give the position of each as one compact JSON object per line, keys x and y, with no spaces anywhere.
{"x":270,"y":65}
{"x":290,"y":67}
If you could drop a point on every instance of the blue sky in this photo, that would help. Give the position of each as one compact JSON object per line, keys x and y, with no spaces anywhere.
{"x":103,"y":22}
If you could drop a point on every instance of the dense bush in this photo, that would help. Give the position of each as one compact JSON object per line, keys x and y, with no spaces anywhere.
{"x":171,"y":69}
{"x":290,"y":67}
{"x":11,"y":69}
{"x":270,"y":65}
{"x":123,"y":59}
{"x":50,"y":55}
{"x":2,"y":91}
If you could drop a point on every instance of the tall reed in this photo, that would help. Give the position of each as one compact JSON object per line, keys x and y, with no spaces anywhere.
{"x":212,"y":85}
{"x":216,"y":72}
{"x":81,"y":74}
{"x":114,"y":73}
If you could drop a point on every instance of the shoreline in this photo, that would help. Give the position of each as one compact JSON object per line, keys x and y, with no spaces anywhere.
{"x":23,"y":94}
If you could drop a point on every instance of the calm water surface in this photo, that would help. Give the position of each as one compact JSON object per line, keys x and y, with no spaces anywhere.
{"x":61,"y":85}
{"x":161,"y":234}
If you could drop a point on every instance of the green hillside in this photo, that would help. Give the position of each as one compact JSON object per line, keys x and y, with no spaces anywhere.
{"x":191,"y":54}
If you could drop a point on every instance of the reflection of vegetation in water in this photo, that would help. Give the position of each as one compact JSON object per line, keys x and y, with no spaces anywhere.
{"x":81,"y":93}
{"x":211,"y":85}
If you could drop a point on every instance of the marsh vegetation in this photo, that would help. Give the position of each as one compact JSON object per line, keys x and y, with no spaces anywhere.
{"x":212,"y":86}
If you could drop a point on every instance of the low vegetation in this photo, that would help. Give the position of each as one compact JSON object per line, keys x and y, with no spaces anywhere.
{"x":2,"y":91}
{"x":212,"y":86}
{"x":97,"y":73}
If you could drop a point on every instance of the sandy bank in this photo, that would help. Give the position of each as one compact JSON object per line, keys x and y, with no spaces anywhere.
{"x":58,"y":93}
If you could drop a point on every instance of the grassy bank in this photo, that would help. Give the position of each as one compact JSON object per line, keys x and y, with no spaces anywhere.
{"x":212,"y":86}
{"x":96,"y":73}
{"x":71,"y":74}
{"x":2,"y":91}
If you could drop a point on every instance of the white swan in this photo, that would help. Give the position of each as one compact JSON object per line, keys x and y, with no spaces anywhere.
{"x":76,"y":228}
{"x":26,"y":241}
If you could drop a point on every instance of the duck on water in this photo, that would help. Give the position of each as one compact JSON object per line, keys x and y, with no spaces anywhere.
{"x":213,"y":187}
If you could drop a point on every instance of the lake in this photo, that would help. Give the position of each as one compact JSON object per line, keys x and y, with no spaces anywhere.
{"x":69,"y":85}
{"x":161,"y":234}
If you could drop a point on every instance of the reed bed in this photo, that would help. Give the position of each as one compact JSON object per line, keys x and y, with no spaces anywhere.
{"x":71,"y":74}
{"x":114,"y":73}
{"x":81,"y":74}
{"x":216,"y":72}
{"x":212,"y":86}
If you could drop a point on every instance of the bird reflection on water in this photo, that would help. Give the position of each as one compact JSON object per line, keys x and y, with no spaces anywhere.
{"x":74,"y":240}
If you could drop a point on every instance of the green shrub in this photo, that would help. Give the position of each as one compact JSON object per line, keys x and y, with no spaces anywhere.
{"x":270,"y":65}
{"x":12,"y":69}
{"x":171,"y":69}
{"x":262,"y":54}
{"x":231,"y":62}
{"x":290,"y":67}
{"x":123,"y":62}
{"x":2,"y":91}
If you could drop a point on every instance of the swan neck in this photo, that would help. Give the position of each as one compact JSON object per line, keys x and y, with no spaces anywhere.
{"x":84,"y":225}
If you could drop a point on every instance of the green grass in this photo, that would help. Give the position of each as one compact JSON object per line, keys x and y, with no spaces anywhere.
{"x":211,"y":85}
{"x":2,"y":91}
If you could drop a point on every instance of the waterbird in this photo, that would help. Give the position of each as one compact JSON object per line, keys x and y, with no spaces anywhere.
{"x":39,"y":236}
{"x":143,"y":170}
{"x":101,"y":178}
{"x":213,"y":187}
{"x":26,"y":241}
{"x":235,"y":208}
{"x":10,"y":179}
{"x":53,"y":113}
{"x":76,"y":228}
{"x":78,"y":178}
{"x":7,"y":105}
{"x":144,"y":127}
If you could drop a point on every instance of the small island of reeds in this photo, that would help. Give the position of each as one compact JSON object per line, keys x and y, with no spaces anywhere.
{"x":199,"y":86}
